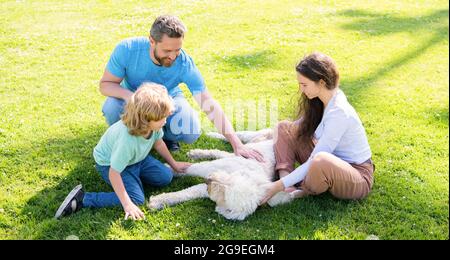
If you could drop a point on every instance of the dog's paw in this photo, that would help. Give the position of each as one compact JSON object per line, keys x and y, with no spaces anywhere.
{"x":296,"y":194}
{"x":216,"y":136}
{"x":196,"y":154}
{"x":280,"y":198}
{"x":155,"y":204}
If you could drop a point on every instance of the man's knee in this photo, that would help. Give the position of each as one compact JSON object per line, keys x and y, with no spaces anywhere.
{"x":184,"y":127}
{"x":190,"y":139}
{"x":112,"y":109}
{"x":195,"y":131}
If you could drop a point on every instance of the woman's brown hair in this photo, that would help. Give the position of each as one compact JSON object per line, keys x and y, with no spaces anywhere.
{"x":315,"y":67}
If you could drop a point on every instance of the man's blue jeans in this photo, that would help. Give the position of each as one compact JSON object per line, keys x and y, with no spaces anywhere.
{"x":182,"y":126}
{"x":148,"y":171}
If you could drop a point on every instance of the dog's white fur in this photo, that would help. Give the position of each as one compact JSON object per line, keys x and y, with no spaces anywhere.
{"x":236,"y":184}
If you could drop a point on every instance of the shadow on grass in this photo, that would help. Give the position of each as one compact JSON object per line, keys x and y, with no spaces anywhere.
{"x":76,"y":152}
{"x":381,"y":24}
{"x":386,"y":23}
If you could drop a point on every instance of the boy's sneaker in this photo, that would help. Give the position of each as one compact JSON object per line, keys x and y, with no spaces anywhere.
{"x":172,"y":145}
{"x":72,"y":203}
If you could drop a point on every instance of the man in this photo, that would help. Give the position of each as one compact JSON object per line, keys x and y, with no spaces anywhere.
{"x":160,"y":59}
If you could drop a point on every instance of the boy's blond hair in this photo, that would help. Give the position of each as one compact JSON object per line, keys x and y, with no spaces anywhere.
{"x":150,"y":102}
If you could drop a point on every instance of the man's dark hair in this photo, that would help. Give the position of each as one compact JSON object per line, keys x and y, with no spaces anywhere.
{"x":168,"y":25}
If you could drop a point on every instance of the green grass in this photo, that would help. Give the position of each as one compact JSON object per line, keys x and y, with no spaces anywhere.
{"x":393,"y":57}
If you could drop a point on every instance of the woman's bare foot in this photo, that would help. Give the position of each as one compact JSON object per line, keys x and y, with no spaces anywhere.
{"x":298,"y":193}
{"x":295,"y":192}
{"x":290,"y":189}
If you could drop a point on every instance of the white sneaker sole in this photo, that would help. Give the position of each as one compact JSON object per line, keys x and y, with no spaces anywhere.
{"x":67,"y":200}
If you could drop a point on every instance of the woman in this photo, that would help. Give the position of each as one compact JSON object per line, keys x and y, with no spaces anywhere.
{"x":328,"y":140}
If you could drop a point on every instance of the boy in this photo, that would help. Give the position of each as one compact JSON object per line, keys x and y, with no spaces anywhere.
{"x":122,"y":155}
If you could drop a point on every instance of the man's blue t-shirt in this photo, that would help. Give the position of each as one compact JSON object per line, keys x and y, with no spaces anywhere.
{"x":131,"y":61}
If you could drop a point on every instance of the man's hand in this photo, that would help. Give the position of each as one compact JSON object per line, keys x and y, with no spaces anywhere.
{"x":180,"y":167}
{"x":133,"y":212}
{"x":249,"y":153}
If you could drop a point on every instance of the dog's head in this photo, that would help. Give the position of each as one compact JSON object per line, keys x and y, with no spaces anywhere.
{"x":235,"y":195}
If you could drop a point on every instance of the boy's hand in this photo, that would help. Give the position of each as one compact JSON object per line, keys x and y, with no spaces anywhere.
{"x":133,"y":212}
{"x":181,"y":167}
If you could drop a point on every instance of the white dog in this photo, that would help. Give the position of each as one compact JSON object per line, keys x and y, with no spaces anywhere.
{"x":236,"y":184}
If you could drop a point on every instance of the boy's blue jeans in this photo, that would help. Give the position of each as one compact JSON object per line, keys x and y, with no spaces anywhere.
{"x":182,"y":126}
{"x":148,"y":171}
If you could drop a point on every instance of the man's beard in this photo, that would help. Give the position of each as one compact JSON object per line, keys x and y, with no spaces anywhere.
{"x":162,"y":61}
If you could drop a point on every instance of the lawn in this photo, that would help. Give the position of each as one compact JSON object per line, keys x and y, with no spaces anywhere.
{"x":393,"y":58}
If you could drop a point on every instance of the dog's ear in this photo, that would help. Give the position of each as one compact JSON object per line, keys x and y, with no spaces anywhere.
{"x":220,"y":177}
{"x":216,"y":191}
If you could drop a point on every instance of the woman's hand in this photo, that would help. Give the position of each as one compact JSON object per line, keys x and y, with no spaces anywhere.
{"x":180,"y":167}
{"x":248,"y":153}
{"x":133,"y":212}
{"x":272,"y":189}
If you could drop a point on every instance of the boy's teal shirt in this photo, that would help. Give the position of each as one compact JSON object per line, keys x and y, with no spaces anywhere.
{"x":118,"y":148}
